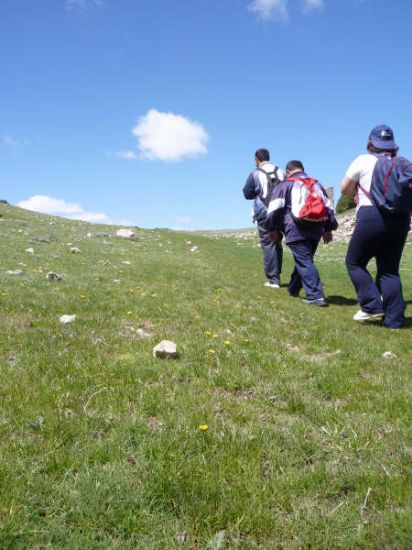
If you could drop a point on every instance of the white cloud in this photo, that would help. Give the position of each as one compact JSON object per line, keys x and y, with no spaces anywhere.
{"x":58,"y":207}
{"x":279,"y":9}
{"x":127,"y":155}
{"x":310,"y":5}
{"x":167,"y":137}
{"x":11,"y":141}
{"x":266,"y":9}
{"x":82,"y":5}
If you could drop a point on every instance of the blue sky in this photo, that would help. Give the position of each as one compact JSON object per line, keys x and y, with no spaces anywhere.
{"x":148,"y":112}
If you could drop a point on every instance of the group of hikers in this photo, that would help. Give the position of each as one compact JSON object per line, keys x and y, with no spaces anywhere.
{"x":297,"y":208}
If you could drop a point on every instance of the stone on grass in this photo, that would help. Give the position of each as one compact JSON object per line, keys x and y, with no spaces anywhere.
{"x":142,"y":333}
{"x":53,"y":276}
{"x":164,"y":349}
{"x":30,"y":250}
{"x":64,"y":319}
{"x":389,"y":355}
{"x":194,"y":249}
{"x":75,"y":250}
{"x":125,"y":233}
{"x":16,"y":273}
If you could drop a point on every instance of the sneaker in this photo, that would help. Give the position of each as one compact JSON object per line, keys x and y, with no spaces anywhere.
{"x":318,"y":302}
{"x":272,"y":284}
{"x":364,"y":316}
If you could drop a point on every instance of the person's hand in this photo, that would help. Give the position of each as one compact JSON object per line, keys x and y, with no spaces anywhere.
{"x":327,"y":237}
{"x":274,"y":236}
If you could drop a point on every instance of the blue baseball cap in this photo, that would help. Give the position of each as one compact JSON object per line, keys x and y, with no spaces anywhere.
{"x":382,"y":137}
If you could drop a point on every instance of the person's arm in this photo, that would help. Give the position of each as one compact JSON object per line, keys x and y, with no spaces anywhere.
{"x":327,"y":237}
{"x":276,"y":208}
{"x":249,"y":190}
{"x":348,"y":186}
{"x":351,"y":179}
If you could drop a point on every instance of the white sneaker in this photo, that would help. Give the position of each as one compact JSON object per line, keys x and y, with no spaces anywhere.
{"x":272,"y":285}
{"x":364,"y":316}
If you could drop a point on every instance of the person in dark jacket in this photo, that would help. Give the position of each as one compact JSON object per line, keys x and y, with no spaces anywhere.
{"x":302,"y":240}
{"x":257,"y":188}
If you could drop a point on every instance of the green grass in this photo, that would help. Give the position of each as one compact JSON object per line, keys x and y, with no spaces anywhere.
{"x":308,"y":442}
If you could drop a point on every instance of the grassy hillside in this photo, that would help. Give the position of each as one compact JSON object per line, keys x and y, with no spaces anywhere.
{"x":278,"y":426}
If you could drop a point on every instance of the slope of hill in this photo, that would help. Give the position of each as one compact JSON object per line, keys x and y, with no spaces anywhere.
{"x":277,"y":426}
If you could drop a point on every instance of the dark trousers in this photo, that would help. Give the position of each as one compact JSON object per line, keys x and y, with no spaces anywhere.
{"x":305,"y":273}
{"x":380,"y":236}
{"x":272,"y":255}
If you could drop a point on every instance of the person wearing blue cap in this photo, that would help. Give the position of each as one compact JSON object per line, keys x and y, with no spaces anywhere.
{"x":378,"y":235}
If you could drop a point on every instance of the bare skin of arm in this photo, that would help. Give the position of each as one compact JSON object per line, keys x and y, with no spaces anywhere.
{"x":348,"y":186}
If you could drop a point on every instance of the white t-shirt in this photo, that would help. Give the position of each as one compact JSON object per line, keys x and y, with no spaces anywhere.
{"x":361,"y":171}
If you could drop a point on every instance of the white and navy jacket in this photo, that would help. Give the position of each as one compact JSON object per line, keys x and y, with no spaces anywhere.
{"x":256,"y":187}
{"x":279,"y":215}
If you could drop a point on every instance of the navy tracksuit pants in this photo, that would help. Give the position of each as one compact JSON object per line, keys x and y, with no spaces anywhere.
{"x":380,"y":236}
{"x":272,"y":254}
{"x":305,"y":273}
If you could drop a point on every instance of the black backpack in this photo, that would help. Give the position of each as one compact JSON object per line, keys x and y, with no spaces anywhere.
{"x":272,"y":181}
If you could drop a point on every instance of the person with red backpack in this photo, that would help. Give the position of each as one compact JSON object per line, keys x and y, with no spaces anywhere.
{"x":382,"y":182}
{"x":300,"y":209}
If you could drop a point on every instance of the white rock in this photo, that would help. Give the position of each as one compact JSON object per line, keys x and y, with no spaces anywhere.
{"x":165,"y":348}
{"x":126,"y":263}
{"x":143,"y":333}
{"x":75,"y":250}
{"x":389,"y":355}
{"x":16,"y":273}
{"x":194,"y":249}
{"x":125,"y":233}
{"x":30,"y":250}
{"x":64,"y":319}
{"x":53,"y":276}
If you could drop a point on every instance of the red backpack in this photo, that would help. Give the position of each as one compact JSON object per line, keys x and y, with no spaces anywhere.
{"x":308,"y":202}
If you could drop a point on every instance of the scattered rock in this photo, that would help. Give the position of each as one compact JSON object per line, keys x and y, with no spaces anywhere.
{"x":44,"y":239}
{"x":389,"y":355}
{"x":346,"y":227}
{"x":64,"y":319}
{"x":154,"y":423}
{"x":16,"y":273}
{"x":142,"y":333}
{"x":75,"y":250}
{"x":125,"y":233}
{"x":30,"y":250}
{"x":53,"y":276}
{"x":194,"y":249}
{"x":165,"y":348}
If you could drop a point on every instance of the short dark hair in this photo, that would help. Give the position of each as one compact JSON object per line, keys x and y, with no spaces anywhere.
{"x":372,"y":149}
{"x":262,"y":155}
{"x":294,"y":165}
